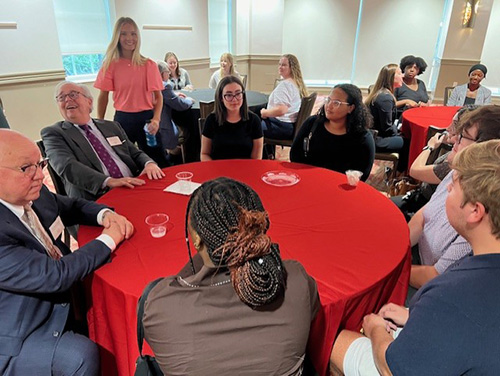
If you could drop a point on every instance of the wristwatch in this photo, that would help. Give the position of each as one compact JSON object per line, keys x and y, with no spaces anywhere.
{"x":427,"y":147}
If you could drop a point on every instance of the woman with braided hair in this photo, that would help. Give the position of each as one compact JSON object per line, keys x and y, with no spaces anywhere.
{"x":237,"y":307}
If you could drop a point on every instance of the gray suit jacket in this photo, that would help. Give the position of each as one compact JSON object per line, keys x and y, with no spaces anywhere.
{"x":74,"y":160}
{"x":457,"y":97}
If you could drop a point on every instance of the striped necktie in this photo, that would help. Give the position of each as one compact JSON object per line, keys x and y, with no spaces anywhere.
{"x":31,"y":219}
{"x":103,"y":154}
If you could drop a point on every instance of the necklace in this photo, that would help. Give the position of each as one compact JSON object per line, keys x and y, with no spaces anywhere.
{"x":212,"y":284}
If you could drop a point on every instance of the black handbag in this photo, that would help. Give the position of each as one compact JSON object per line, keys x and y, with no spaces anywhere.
{"x":145,"y":365}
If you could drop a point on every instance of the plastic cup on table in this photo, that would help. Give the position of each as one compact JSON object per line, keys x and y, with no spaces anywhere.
{"x":157,"y":224}
{"x":184,"y":179}
{"x":353,"y":177}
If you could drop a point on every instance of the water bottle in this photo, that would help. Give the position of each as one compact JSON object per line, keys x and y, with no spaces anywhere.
{"x":150,"y":138}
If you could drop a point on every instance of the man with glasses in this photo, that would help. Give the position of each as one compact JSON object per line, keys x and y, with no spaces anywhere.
{"x":91,"y":155}
{"x":451,"y":327}
{"x":37,"y":269}
{"x":440,"y":246}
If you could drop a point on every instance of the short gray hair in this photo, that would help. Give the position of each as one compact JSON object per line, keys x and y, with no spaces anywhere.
{"x":85,"y":90}
{"x":162,"y":66}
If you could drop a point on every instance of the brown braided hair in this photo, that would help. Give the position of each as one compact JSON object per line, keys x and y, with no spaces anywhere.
{"x":230,"y":219}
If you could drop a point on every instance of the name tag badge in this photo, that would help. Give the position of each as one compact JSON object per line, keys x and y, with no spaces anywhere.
{"x":114,"y":141}
{"x":56,"y":228}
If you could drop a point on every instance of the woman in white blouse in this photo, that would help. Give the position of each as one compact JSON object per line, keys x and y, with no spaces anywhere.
{"x":284,"y":102}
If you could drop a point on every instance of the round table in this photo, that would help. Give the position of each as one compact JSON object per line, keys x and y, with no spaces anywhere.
{"x":353,"y":241}
{"x":416,"y":122}
{"x":189,"y":119}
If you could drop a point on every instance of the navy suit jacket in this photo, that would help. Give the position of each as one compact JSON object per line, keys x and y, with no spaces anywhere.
{"x":74,"y":160}
{"x":171,"y":101}
{"x":34,"y":299}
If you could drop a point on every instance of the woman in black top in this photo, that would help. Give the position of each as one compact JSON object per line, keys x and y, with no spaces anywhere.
{"x":231,"y":132}
{"x":382,"y":105}
{"x":338,"y":137}
{"x":413,"y":92}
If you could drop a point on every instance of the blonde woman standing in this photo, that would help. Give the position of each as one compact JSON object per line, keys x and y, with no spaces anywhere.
{"x":136,"y":85}
{"x":284,"y":102}
{"x":226,"y":69}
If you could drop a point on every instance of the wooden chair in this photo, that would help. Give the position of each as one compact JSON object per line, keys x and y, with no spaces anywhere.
{"x":58,"y":185}
{"x":447,"y":94}
{"x":206,"y":108}
{"x":244,"y":78}
{"x":276,"y":82}
{"x":391,"y":157}
{"x":370,"y":88}
{"x":306,"y":107}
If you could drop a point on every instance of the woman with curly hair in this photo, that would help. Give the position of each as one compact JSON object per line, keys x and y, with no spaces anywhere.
{"x":236,"y":296}
{"x":413,"y":92}
{"x":338,"y":138}
{"x":284,"y":102}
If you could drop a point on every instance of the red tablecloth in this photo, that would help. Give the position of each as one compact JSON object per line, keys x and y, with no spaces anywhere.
{"x":354,"y":242}
{"x":416,"y":122}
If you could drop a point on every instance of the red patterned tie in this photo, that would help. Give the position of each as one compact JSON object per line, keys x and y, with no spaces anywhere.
{"x":31,"y":219}
{"x":103,"y":154}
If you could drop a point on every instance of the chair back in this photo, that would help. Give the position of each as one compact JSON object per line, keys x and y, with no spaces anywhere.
{"x":59,"y":187}
{"x":306,"y":106}
{"x":201,"y":124}
{"x":277,"y":82}
{"x":206,"y":108}
{"x":432,"y":130}
{"x":244,"y":78}
{"x":56,"y":179}
{"x":447,"y":94}
{"x":370,"y":88}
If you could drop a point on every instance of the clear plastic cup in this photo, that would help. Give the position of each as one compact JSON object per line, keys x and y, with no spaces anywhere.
{"x":353,"y":177}
{"x":184,"y":179}
{"x":157,"y":224}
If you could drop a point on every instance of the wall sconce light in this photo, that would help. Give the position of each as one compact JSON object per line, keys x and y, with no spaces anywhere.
{"x":470,"y":12}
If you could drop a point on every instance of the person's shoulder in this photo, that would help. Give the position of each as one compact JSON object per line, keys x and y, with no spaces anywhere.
{"x":51,"y":128}
{"x":295,"y":267}
{"x":485,"y":89}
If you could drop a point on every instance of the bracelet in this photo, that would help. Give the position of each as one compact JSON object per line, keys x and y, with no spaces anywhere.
{"x":430,"y":148}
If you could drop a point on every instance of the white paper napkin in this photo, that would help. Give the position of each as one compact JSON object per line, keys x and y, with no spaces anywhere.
{"x":176,"y":188}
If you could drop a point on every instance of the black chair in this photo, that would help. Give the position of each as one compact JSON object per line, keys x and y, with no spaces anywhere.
{"x":58,"y":185}
{"x":305,"y":110}
{"x":206,"y":108}
{"x":201,"y":124}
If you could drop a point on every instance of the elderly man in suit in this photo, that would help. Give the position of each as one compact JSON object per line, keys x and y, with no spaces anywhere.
{"x":91,"y":155}
{"x":37,"y":269}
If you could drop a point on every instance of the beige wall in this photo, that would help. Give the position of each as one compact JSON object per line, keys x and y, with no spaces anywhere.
{"x":264,"y":30}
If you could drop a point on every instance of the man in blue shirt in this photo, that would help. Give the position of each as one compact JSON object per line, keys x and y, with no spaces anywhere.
{"x":452,"y":325}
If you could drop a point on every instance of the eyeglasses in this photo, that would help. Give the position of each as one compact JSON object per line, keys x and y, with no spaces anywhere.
{"x":334,"y":103}
{"x":72,"y":95}
{"x":30,"y":170}
{"x":230,"y":97}
{"x":461,"y":135}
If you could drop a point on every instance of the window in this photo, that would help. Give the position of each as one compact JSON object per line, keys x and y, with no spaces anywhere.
{"x":219,"y":28}
{"x":84,"y":29}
